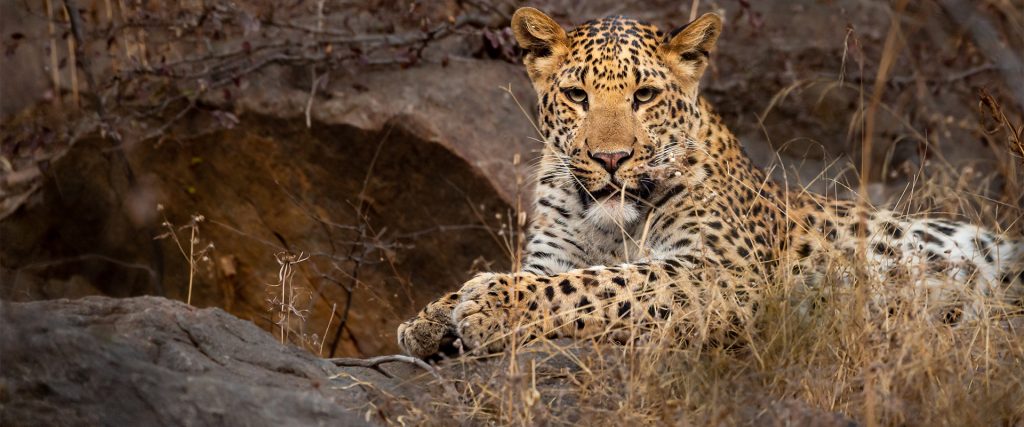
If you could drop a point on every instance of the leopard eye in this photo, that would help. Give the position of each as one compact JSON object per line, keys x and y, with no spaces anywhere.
{"x":576,"y":95}
{"x":644,"y":94}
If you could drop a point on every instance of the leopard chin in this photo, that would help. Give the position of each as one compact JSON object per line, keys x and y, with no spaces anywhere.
{"x":613,"y":211}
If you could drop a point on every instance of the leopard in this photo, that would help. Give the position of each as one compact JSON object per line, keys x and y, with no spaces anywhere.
{"x":647,"y":211}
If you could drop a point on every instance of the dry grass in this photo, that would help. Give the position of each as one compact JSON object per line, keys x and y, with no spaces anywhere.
{"x":194,"y":256}
{"x":812,"y":355}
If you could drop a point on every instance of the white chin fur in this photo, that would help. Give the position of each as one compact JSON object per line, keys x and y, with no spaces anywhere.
{"x":612,"y":212}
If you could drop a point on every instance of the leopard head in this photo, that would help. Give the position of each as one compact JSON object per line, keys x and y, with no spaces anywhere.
{"x":617,"y":98}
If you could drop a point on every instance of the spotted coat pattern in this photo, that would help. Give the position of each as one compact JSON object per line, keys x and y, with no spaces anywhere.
{"x":647,"y":209}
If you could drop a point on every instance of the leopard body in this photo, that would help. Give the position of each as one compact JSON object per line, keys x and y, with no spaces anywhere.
{"x":648,"y":210}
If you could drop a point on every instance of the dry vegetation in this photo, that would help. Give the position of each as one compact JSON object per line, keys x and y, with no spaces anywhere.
{"x":854,"y":349}
{"x":863,"y":350}
{"x":868,"y":351}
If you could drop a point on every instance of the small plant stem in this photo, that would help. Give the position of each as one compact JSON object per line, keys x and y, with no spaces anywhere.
{"x":327,"y":329}
{"x":54,"y":68}
{"x":287,"y":289}
{"x":73,"y":69}
{"x":284,"y":304}
{"x":191,"y":264}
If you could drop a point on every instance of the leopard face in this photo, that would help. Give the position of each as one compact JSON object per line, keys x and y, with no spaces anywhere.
{"x":618,"y":102}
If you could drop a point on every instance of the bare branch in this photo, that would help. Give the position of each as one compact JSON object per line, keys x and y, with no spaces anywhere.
{"x":967,"y":14}
{"x":375,"y":362}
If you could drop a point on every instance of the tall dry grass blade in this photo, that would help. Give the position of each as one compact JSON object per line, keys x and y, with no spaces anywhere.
{"x":72,"y":63}
{"x":54,"y":64}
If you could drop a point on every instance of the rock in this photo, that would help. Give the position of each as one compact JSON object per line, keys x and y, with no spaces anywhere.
{"x":103,"y":361}
{"x":150,"y":360}
{"x":397,"y":194}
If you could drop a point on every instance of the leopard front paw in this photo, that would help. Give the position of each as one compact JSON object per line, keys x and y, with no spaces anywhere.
{"x":432,"y":330}
{"x":481,"y":318}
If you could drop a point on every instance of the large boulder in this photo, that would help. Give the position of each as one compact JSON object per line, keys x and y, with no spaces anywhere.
{"x":102,"y":361}
{"x":399,"y":188}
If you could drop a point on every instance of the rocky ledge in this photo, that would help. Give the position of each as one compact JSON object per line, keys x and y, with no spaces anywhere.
{"x":104,"y":361}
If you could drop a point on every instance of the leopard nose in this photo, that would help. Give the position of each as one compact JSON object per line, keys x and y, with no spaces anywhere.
{"x":610,"y":161}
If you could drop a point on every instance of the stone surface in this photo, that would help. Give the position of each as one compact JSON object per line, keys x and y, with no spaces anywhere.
{"x":396,"y":192}
{"x":102,"y":361}
{"x":149,"y":361}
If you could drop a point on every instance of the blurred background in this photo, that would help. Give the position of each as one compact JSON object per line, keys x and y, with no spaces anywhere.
{"x":324,"y":168}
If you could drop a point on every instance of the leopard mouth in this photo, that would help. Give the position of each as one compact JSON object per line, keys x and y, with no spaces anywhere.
{"x":614,"y":188}
{"x":607,"y":191}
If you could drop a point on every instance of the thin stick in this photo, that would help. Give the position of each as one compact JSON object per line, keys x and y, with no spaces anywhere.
{"x":986,"y":37}
{"x":375,"y":362}
{"x":508,"y":89}
{"x":73,"y":64}
{"x":362,"y":234}
{"x":312,"y":95}
{"x":54,"y":71}
{"x":284,"y":298}
{"x":287,"y":289}
{"x":191,"y":263}
{"x":323,"y":339}
{"x":312,"y":69}
{"x":126,"y":42}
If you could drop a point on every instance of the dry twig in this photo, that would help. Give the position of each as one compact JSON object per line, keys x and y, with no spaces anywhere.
{"x":375,"y":362}
{"x":968,"y":15}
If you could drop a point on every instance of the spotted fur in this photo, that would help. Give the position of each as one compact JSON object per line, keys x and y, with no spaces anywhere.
{"x":648,"y":209}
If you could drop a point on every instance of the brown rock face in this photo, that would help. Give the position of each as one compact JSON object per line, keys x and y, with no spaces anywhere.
{"x":393,"y":194}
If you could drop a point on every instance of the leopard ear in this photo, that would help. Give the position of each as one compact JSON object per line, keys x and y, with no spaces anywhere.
{"x":542,"y":38}
{"x":686,"y":50}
